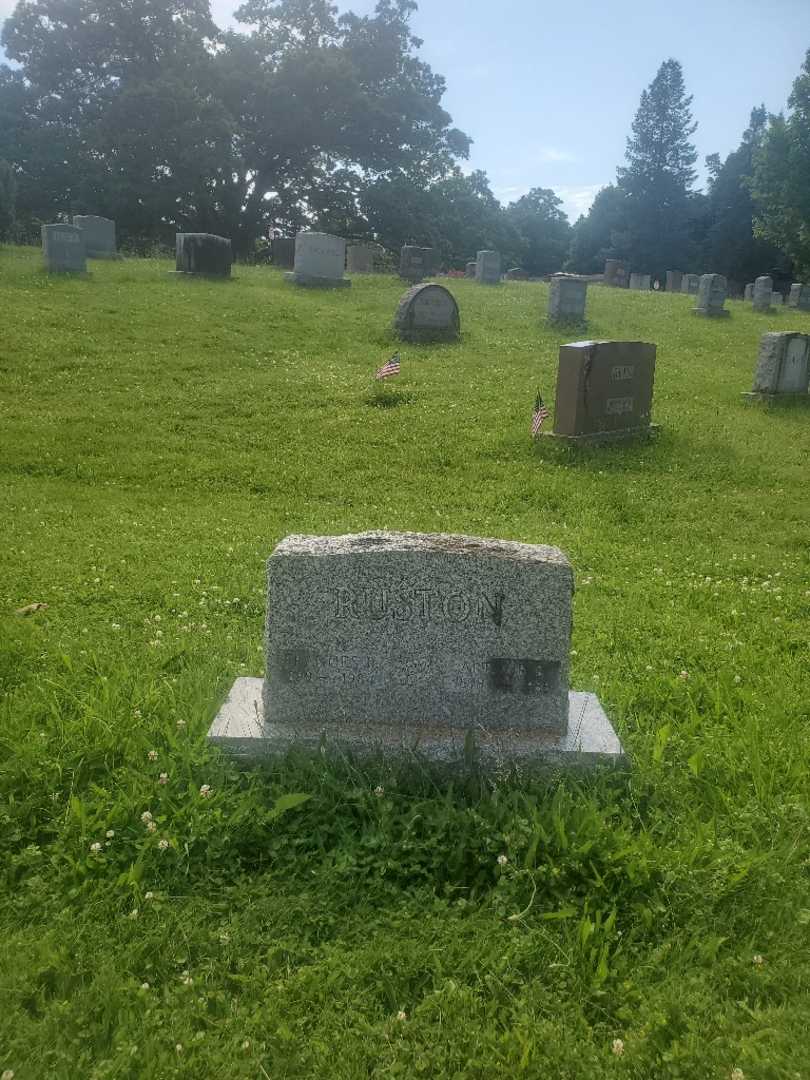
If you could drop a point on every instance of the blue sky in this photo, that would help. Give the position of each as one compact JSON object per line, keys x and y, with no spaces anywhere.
{"x":548,"y":89}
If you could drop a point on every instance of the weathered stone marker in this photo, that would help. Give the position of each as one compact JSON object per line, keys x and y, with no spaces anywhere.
{"x":799,"y":296}
{"x":203,"y":253}
{"x":615,"y":274}
{"x":748,"y":292}
{"x":451,"y":646}
{"x":567,"y":295}
{"x":319,"y":261}
{"x":690,"y":284}
{"x":640,"y":282}
{"x":711,"y":297}
{"x":360,"y":258}
{"x":427,"y":313}
{"x":516,"y":274}
{"x":63,"y":249}
{"x":488,"y":268}
{"x":783,"y":366}
{"x":763,"y":291}
{"x":674,"y":280}
{"x":99,"y":235}
{"x":282,"y":252}
{"x":604,"y":391}
{"x":416,"y":263}
{"x":469,"y":269}
{"x":777,"y":300}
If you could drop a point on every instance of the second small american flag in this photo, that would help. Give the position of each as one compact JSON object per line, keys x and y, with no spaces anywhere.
{"x":391,"y":367}
{"x":539,"y":415}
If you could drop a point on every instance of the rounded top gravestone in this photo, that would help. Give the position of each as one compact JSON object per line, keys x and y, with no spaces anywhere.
{"x":427,"y":313}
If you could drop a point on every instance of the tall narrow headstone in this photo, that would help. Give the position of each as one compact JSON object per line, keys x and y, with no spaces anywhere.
{"x":63,"y":249}
{"x":777,"y":300}
{"x":417,"y":263}
{"x":566,"y":298}
{"x":319,"y":261}
{"x":748,"y":294}
{"x":488,"y":268}
{"x":427,"y":312}
{"x":711,"y":297}
{"x":282,"y":252}
{"x":99,"y":235}
{"x":799,"y":296}
{"x":453,"y":647}
{"x":640,"y":282}
{"x":615,"y":274}
{"x":204,"y":254}
{"x":604,"y":390}
{"x":674,"y":280}
{"x":783,"y":366}
{"x":763,"y":290}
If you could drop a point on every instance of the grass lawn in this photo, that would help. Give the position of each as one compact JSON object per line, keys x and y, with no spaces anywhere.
{"x":158,"y":437}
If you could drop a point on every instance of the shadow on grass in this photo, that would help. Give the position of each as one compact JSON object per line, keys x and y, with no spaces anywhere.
{"x":390,"y":399}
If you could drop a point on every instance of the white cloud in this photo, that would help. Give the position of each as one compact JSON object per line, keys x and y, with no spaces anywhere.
{"x":552,"y":153}
{"x":577,"y":200}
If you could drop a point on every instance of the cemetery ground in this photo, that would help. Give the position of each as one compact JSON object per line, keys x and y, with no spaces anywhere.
{"x":167,"y":914}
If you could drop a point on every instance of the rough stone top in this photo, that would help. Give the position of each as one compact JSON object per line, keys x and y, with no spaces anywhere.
{"x":433,"y":543}
{"x":607,"y":341}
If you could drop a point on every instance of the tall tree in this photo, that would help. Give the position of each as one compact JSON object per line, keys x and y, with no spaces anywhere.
{"x":731,"y":246}
{"x":544,"y":230}
{"x":593,"y":234}
{"x":659,"y":175}
{"x":781,"y":177}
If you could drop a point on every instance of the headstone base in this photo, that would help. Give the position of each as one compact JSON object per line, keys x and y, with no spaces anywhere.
{"x":711,"y":314}
{"x":110,"y":256}
{"x":312,"y":282}
{"x":758,"y":395}
{"x":625,"y":434}
{"x":199,"y":274}
{"x":238,"y":728}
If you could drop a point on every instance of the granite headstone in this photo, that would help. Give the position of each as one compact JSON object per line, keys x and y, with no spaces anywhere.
{"x":567,"y":295}
{"x":417,"y":263}
{"x":640,"y":282}
{"x":711,"y":297}
{"x":799,"y":296}
{"x":360,"y":258}
{"x":763,"y":291}
{"x":99,"y":235}
{"x":320,"y":259}
{"x":604,"y":390}
{"x":469,"y":269}
{"x":690,"y":284}
{"x":748,"y":292}
{"x":674,"y":280}
{"x":488,"y":268}
{"x":63,"y":249}
{"x":783,"y":366}
{"x":455,"y":647}
{"x":615,"y":274}
{"x":282,"y":252}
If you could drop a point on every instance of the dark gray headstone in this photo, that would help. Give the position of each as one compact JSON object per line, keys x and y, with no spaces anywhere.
{"x":282,"y":252}
{"x":488,"y":268}
{"x":566,"y":298}
{"x":674,"y":280}
{"x":640,"y":282}
{"x":99,"y":235}
{"x":711,"y":297}
{"x":615,"y":274}
{"x":203,"y":253}
{"x":417,"y":263}
{"x":469,"y":269}
{"x":427,"y":313}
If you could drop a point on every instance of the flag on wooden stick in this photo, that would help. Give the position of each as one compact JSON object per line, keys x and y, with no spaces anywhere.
{"x":389,"y":368}
{"x":539,"y":415}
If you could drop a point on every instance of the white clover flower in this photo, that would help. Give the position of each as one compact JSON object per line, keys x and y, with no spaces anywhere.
{"x":181,"y":724}
{"x":95,"y":848}
{"x":162,"y":845}
{"x":144,"y":986}
{"x":110,"y":833}
{"x":246,"y":1044}
{"x":205,"y":791}
{"x":379,"y":791}
{"x":149,"y":896}
{"x":758,"y":960}
{"x":402,"y":1015}
{"x":152,"y":755}
{"x":151,"y":826}
{"x":178,"y":1047}
{"x":115,"y":626}
{"x":146,"y":817}
{"x":737,"y":1074}
{"x":502,"y":860}
{"x":187,"y":980}
{"x":163,"y":778}
{"x":737,"y":680}
{"x":617,"y":1047}
{"x":7,"y":1074}
{"x":133,"y":914}
{"x":683,"y":674}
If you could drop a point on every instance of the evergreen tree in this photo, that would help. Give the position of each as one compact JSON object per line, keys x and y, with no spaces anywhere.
{"x":593,"y":237}
{"x":781,"y":178}
{"x":659,"y":175}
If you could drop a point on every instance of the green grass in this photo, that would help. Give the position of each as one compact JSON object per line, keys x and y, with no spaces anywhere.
{"x":159,"y":436}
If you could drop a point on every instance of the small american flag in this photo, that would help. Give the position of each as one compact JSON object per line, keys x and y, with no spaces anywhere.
{"x":391,"y":367}
{"x":539,"y":415}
